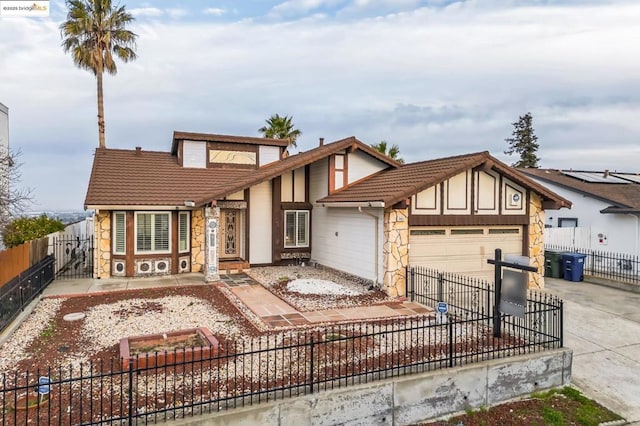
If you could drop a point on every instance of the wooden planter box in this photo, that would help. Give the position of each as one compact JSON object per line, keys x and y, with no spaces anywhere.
{"x":167,"y":357}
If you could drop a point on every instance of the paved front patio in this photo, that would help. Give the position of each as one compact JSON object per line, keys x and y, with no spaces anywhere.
{"x":276,"y":312}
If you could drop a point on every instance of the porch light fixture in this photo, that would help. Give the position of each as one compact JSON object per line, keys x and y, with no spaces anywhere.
{"x":189,"y":203}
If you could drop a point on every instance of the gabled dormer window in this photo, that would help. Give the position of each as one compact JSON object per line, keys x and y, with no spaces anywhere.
{"x":337,"y":172}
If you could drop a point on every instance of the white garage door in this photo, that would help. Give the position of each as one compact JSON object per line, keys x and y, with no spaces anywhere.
{"x":462,"y":250}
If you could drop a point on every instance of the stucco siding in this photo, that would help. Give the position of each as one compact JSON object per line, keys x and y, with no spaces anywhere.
{"x":362,"y":165}
{"x":194,"y":154}
{"x":268,"y":154}
{"x":260,"y":224}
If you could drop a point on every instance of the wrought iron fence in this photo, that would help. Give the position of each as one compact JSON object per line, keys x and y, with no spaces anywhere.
{"x":476,"y":298}
{"x":74,"y":256}
{"x":21,"y":290}
{"x":608,"y":265}
{"x":284,"y":364}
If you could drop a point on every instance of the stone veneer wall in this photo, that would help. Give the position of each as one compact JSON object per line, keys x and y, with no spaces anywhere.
{"x":197,"y":240}
{"x":395,"y":251}
{"x":536,"y":240}
{"x":103,"y":244}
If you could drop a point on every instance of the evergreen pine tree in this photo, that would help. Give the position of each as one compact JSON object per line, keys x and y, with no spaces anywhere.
{"x":524,"y":142}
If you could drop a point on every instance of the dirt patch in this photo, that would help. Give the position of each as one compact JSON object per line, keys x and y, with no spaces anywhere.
{"x":565,"y":406}
{"x":169,"y":344}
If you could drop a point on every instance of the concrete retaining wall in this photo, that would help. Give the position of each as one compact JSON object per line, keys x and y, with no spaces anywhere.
{"x":409,"y":399}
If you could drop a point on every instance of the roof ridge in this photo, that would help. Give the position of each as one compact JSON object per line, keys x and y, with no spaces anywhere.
{"x":130,"y":150}
{"x":221,"y":135}
{"x":452,"y":157}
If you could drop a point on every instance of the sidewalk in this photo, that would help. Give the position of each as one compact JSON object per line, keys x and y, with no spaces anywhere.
{"x":93,"y":285}
{"x":602,"y":326}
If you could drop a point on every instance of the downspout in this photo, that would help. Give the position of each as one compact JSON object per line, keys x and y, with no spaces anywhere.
{"x":377,"y":280}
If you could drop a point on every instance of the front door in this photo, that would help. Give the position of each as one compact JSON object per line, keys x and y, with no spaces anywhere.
{"x":229,"y":234}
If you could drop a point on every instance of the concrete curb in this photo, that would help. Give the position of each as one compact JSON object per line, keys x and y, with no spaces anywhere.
{"x":614,"y":423}
{"x":633,"y":288}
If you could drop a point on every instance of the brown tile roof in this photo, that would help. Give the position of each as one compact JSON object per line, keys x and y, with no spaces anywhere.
{"x":120,"y":177}
{"x":393,"y":185}
{"x":124,"y":178}
{"x":209,"y":137}
{"x":625,"y":198}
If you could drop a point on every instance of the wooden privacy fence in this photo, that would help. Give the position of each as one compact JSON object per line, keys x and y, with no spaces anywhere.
{"x":18,"y":259}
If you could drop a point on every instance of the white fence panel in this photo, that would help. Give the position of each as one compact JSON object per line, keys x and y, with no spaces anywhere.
{"x":568,"y":237}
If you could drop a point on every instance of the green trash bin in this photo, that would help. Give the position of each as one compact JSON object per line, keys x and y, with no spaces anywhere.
{"x":553,"y":264}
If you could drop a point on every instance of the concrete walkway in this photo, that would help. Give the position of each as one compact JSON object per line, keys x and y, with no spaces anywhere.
{"x":93,"y":285}
{"x":602,"y":326}
{"x":278,"y":313}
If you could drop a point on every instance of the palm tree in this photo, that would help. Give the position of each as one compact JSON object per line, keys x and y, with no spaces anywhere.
{"x":393,"y":152}
{"x":280,"y":128}
{"x":95,"y":32}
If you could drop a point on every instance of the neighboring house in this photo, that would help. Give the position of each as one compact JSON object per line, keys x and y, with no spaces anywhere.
{"x":4,"y":129}
{"x":216,"y":202}
{"x":4,"y":163}
{"x":604,"y":203}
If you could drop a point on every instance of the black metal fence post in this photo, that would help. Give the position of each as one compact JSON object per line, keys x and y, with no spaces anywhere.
{"x":451,"y":360}
{"x":497,"y":329}
{"x":130,"y":392}
{"x":440,"y":287}
{"x":561,"y":323}
{"x":412,"y":282}
{"x":311,"y":368}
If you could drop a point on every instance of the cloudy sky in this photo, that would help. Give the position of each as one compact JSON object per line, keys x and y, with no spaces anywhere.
{"x":436,"y":77}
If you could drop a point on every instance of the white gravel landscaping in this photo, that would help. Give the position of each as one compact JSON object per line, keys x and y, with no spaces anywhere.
{"x":317,"y":286}
{"x":13,"y":349}
{"x":103,"y":322}
{"x":270,"y":275}
{"x":315,"y":289}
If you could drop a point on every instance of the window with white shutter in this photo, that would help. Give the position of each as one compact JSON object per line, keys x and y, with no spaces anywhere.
{"x":296,"y":228}
{"x":183,"y":231}
{"x":153,"y":232}
{"x":119,"y":233}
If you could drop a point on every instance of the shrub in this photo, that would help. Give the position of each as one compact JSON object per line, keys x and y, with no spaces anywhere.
{"x":25,"y":229}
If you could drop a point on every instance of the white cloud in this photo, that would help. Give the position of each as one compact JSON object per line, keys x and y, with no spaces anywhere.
{"x":436,"y":81}
{"x":153,"y":12}
{"x":215,"y":11}
{"x":177,"y":13}
{"x":296,"y":7}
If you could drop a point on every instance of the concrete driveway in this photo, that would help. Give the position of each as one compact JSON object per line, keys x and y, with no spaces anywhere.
{"x":602,"y":326}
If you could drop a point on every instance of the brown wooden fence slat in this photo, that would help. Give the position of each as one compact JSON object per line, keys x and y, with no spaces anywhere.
{"x":14,"y":261}
{"x":39,"y":249}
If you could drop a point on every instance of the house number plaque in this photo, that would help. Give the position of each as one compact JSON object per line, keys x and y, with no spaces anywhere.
{"x":212,"y":249}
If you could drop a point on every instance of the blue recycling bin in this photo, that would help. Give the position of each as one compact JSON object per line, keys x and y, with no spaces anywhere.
{"x":573,"y":266}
